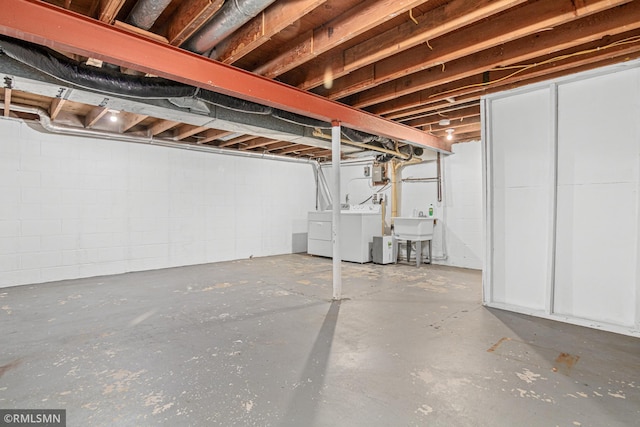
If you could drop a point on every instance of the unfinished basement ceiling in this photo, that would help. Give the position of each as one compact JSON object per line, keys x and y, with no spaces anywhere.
{"x":424,"y":64}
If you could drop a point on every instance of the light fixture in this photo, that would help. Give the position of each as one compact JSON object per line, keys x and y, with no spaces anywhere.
{"x":450,"y":134}
{"x":328,"y":77}
{"x":444,"y":122}
{"x":114,"y":116}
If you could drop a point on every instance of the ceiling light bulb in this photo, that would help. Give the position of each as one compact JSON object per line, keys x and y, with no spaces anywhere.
{"x":328,"y":78}
{"x":449,"y":134}
{"x":113,"y":118}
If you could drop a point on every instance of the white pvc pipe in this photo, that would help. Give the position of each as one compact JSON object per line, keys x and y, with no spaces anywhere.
{"x":335,"y":223}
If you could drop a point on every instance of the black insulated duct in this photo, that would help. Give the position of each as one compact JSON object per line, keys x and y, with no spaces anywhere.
{"x":103,"y":80}
{"x":111,"y":82}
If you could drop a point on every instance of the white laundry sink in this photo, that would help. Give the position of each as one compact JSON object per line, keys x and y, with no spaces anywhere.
{"x":413,"y":228}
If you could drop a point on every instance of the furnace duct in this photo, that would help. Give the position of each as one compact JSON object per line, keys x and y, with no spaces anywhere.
{"x":145,"y":13}
{"x":110,"y":82}
{"x":232,"y":15}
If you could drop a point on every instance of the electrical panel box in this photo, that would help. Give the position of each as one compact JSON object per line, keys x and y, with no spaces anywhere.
{"x":378,"y":175}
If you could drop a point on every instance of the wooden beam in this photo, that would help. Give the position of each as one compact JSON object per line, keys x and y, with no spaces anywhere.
{"x":444,"y":113}
{"x":321,"y":153}
{"x":610,"y":22}
{"x":466,"y":126}
{"x":109,"y":10}
{"x":472,"y":135}
{"x":297,"y":148}
{"x":185,"y":131}
{"x":41,"y":22}
{"x":471,"y":88}
{"x":434,"y":23}
{"x":548,"y":72}
{"x":520,"y":22}
{"x":235,"y":141}
{"x":56,"y":107}
{"x":140,"y":31}
{"x":129,"y":120}
{"x":256,"y":143}
{"x":277,"y":145}
{"x":189,"y":17}
{"x":424,"y":102}
{"x":555,"y":70}
{"x":312,"y":43}
{"x":161,"y":126}
{"x":7,"y":101}
{"x":211,"y":135}
{"x":94,"y":115}
{"x":263,"y":27}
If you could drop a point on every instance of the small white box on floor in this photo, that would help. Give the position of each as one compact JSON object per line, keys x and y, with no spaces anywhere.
{"x":383,"y":250}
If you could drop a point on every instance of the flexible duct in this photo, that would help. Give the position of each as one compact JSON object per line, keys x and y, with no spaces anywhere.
{"x":231,"y":16}
{"x":357,"y":136}
{"x":111,"y":82}
{"x":387,"y":153}
{"x":300,"y":120}
{"x":232,"y":103}
{"x":145,"y":13}
{"x":104,"y":80}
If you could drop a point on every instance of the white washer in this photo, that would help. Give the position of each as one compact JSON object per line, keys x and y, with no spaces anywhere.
{"x":358,"y":225}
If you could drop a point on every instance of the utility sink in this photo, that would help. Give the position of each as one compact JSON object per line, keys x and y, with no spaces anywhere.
{"x":413,"y":228}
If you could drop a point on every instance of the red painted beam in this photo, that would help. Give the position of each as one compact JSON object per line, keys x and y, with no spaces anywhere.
{"x":45,"y":24}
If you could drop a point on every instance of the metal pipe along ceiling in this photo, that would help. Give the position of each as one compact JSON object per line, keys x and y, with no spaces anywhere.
{"x":145,"y":13}
{"x":232,"y":15}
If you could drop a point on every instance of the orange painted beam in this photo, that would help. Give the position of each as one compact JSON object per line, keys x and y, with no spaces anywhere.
{"x":45,"y":24}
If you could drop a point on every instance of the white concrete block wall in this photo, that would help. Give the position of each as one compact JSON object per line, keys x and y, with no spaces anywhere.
{"x":463,"y":203}
{"x":77,"y":207}
{"x":417,"y":195}
{"x":457,"y":239}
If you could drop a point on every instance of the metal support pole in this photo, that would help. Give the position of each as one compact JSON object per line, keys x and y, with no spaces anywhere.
{"x":335,"y":223}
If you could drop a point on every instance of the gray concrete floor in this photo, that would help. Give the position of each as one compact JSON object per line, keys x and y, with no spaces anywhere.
{"x":258,"y":343}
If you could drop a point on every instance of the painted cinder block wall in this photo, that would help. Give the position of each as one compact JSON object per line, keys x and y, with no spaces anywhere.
{"x":457,"y":239}
{"x":77,"y":207}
